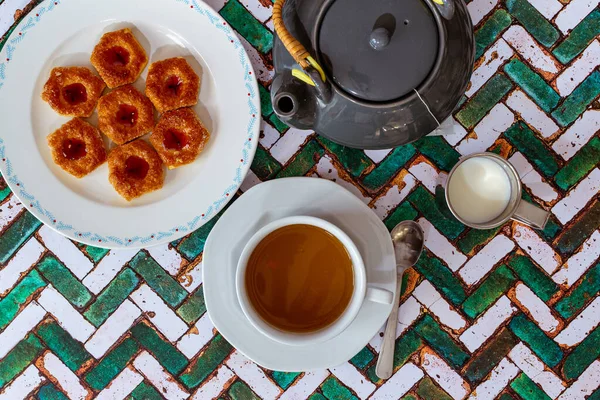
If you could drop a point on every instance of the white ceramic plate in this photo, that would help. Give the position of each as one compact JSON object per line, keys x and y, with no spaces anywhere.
{"x":63,"y":33}
{"x":277,"y":199}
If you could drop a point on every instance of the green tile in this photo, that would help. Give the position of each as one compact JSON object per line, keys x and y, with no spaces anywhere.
{"x":527,"y":389}
{"x":64,"y":281}
{"x":546,"y":349}
{"x":18,"y":296}
{"x":580,"y":165}
{"x":112,"y":364}
{"x":284,"y":379}
{"x":533,"y":84}
{"x":70,"y":351}
{"x":506,"y":396}
{"x":577,"y":102}
{"x":443,"y":279}
{"x":264,"y":165}
{"x":240,"y":391}
{"x":373,"y":376}
{"x":316,"y":396}
{"x":441,"y":342}
{"x":362,"y":358}
{"x":483,"y":101}
{"x":533,"y":277}
{"x":303,"y":161}
{"x":588,"y":287}
{"x":534,"y":22}
{"x":388,"y":168}
{"x":248,"y":26}
{"x":193,"y":308}
{"x":16,"y":234}
{"x":95,"y":253}
{"x":482,"y":364}
{"x":50,"y":392}
{"x":582,"y":356}
{"x":266,"y":108}
{"x":206,"y":362}
{"x":427,"y":390}
{"x":572,"y":238}
{"x":355,"y":161}
{"x":494,"y":286}
{"x":4,"y":191}
{"x":402,"y":212}
{"x":579,"y":38}
{"x":490,"y":30}
{"x":332,"y":389}
{"x":406,"y":346}
{"x":112,"y":297}
{"x":145,"y":391}
{"x":423,"y":200}
{"x":476,"y":237}
{"x":409,"y":397}
{"x":437,"y":150}
{"x":553,"y":227}
{"x":532,"y":148}
{"x":158,"y":279}
{"x":595,"y":395}
{"x":278,"y":124}
{"x":19,"y":358}
{"x":167,"y":354}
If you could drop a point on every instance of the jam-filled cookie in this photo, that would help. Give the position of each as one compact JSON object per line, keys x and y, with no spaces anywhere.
{"x":73,"y":91}
{"x":172,"y":84}
{"x":135,"y":169}
{"x":77,"y":147}
{"x":119,"y":58}
{"x":179,"y":137}
{"x":125,"y":114}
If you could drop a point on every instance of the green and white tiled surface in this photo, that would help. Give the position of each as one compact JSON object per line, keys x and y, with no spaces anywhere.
{"x":507,"y":313}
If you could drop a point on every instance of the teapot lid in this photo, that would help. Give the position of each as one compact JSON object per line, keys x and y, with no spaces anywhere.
{"x":378,"y":50}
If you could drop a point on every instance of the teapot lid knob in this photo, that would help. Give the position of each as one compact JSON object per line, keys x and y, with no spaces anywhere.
{"x":379,"y":38}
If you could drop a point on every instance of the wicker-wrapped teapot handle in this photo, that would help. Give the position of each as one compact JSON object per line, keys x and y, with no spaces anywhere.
{"x":294,"y":47}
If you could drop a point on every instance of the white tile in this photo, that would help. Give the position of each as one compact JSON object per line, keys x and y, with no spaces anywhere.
{"x":200,"y":334}
{"x":452,"y":131}
{"x":289,"y":144}
{"x":66,"y":251}
{"x":493,"y":58}
{"x":112,"y":329}
{"x":110,"y":265}
{"x":536,"y":370}
{"x":29,"y":254}
{"x":482,"y":262}
{"x":530,"y":50}
{"x":538,"y":310}
{"x":441,"y":247}
{"x":531,"y":113}
{"x":548,"y":8}
{"x":264,"y":73}
{"x":254,"y":377}
{"x":64,"y":313}
{"x":580,"y":328}
{"x":166,"y":385}
{"x":480,"y":8}
{"x":257,"y":9}
{"x":63,"y":377}
{"x":377,"y":155}
{"x":447,"y":315}
{"x":486,"y":324}
{"x":444,"y":375}
{"x":192,"y":279}
{"x":394,"y":195}
{"x":269,"y":135}
{"x":213,"y":387}
{"x":426,"y":293}
{"x":428,"y":175}
{"x":250,"y":181}
{"x":159,"y":313}
{"x":168,"y":258}
{"x":579,"y":262}
{"x":121,"y":386}
{"x":585,"y":385}
{"x":399,"y":383}
{"x":574,"y":13}
{"x":216,"y":4}
{"x":408,"y":313}
{"x":269,"y":24}
{"x":578,"y":197}
{"x":349,"y":376}
{"x":532,"y":179}
{"x":571,"y":77}
{"x":487,"y":130}
{"x":305,"y":385}
{"x":9,"y":211}
{"x":498,"y":379}
{"x":578,"y":134}
{"x":536,"y":247}
{"x":328,"y":170}
{"x":23,"y":384}
{"x":19,"y":327}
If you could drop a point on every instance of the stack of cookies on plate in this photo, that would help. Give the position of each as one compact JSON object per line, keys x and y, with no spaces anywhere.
{"x":125,"y":115}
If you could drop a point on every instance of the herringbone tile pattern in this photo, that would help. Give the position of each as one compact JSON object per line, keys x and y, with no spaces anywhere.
{"x":507,"y":313}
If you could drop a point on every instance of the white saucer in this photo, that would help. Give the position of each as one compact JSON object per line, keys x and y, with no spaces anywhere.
{"x":276,"y":199}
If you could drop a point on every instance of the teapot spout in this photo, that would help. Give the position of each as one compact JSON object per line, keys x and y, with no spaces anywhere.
{"x":292,"y":102}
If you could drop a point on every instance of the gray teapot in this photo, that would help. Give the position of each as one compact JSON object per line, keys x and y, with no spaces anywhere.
{"x":370,"y":74}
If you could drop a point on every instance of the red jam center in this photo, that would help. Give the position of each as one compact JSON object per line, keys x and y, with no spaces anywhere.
{"x":174,"y":85}
{"x":75,"y":93}
{"x":127,"y":115}
{"x":73,"y":149}
{"x":117,"y":56}
{"x":175,"y":140}
{"x":136,"y":167}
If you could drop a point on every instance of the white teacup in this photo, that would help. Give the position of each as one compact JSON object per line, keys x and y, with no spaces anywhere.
{"x":360,"y":294}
